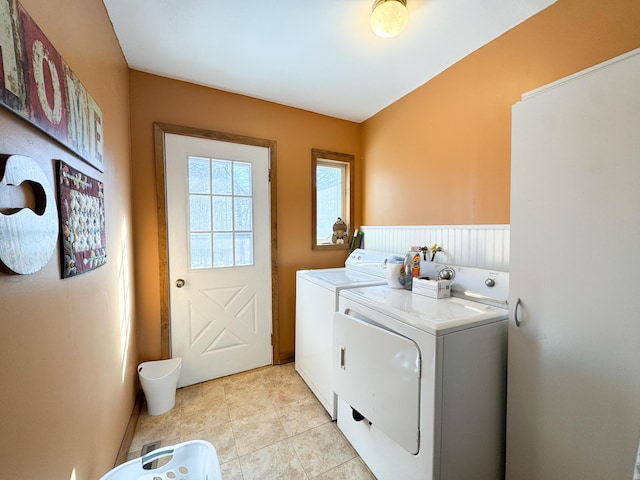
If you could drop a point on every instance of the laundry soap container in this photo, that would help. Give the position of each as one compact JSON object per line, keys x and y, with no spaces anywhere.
{"x":159,"y":380}
{"x":411,"y":267}
{"x":395,"y":272}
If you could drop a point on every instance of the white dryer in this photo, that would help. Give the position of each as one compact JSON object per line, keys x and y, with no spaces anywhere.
{"x":421,"y":382}
{"x":316,"y":301}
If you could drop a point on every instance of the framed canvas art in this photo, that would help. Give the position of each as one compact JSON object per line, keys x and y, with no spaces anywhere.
{"x":82,"y":221}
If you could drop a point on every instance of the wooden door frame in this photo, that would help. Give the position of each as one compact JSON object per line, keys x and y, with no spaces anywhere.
{"x":159,"y":129}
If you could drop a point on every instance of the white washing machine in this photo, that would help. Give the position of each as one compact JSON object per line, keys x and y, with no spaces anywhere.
{"x":316,"y":302}
{"x":421,"y":382}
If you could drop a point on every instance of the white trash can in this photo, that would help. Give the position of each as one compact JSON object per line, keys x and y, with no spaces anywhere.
{"x":159,"y":380}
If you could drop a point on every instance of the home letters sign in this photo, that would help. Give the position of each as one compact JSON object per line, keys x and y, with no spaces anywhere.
{"x":37,"y":84}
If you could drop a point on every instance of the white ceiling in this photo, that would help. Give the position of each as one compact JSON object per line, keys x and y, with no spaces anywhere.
{"x":318,"y":55}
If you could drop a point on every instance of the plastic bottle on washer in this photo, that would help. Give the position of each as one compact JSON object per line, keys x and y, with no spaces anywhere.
{"x":415,"y":266}
{"x":411,"y":267}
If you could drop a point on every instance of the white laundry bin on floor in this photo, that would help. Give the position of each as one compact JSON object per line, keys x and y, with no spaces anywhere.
{"x":159,"y":380}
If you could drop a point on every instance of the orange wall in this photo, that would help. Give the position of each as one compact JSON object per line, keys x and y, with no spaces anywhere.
{"x":296,"y":132}
{"x":67,"y":354}
{"x":455,"y":131}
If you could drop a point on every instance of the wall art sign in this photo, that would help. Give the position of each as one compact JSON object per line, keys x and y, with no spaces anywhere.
{"x":28,"y":236}
{"x":82,"y":225}
{"x":37,"y":85}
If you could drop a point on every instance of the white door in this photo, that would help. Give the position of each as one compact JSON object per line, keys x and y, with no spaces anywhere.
{"x":573,"y":408}
{"x":219,"y":249}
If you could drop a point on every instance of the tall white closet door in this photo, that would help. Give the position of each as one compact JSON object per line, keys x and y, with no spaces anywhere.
{"x":573,"y":409}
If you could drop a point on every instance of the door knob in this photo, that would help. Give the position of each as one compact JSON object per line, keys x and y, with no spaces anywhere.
{"x":179,"y":283}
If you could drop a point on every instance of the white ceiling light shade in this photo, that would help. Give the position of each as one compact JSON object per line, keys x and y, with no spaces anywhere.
{"x":389,"y":17}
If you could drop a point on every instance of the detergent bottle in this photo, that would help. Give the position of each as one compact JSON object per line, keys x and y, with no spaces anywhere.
{"x":415,"y":264}
{"x":410,"y":269}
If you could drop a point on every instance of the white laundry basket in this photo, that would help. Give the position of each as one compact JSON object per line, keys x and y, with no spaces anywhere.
{"x":192,"y":460}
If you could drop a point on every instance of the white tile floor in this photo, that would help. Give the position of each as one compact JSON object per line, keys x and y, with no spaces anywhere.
{"x":265,"y":424}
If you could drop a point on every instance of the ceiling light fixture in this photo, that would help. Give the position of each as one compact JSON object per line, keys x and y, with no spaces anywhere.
{"x":389,"y":17}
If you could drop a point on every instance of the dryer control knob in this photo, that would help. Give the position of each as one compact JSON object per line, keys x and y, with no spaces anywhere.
{"x":446,"y":274}
{"x":490,"y":282}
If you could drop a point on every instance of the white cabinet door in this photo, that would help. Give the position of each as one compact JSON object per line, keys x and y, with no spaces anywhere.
{"x":573,"y":409}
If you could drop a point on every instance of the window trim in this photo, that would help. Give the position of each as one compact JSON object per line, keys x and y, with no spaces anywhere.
{"x":348,"y":161}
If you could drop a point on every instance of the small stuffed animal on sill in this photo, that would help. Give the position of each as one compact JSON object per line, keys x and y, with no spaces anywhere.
{"x":340,"y":234}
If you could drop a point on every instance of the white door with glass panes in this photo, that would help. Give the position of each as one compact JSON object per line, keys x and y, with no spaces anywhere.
{"x":219,"y":249}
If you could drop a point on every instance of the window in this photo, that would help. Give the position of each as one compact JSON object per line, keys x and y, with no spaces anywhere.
{"x":332,"y":187}
{"x":220,"y":213}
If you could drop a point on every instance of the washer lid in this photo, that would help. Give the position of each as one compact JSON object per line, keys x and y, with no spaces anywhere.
{"x":339,"y":278}
{"x":435,"y":316}
{"x":371,"y":262}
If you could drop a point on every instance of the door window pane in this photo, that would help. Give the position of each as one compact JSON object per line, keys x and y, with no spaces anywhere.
{"x":243,"y":213}
{"x":223,"y":249}
{"x":244,"y":249}
{"x":200,"y":213}
{"x":220,"y":213}
{"x":201,"y":252}
{"x":241,"y":178}
{"x":199,"y":176}
{"x":221,"y":174}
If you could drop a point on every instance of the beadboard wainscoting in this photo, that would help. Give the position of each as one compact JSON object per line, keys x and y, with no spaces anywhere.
{"x":482,"y":246}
